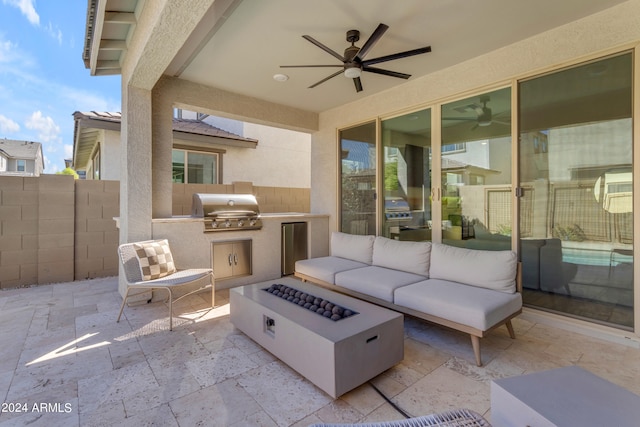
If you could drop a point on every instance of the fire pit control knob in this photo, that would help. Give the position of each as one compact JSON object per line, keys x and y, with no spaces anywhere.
{"x":240,"y":223}
{"x":252,"y":222}
{"x":214,"y":224}
{"x":227,"y":223}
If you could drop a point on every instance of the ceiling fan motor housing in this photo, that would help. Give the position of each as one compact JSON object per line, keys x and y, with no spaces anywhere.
{"x":353,"y":36}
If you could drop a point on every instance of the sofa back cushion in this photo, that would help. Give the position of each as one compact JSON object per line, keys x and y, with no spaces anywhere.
{"x":412,"y":257}
{"x":486,"y":269}
{"x":352,"y":246}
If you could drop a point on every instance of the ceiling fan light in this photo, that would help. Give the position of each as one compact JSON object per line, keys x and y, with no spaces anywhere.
{"x":352,"y":72}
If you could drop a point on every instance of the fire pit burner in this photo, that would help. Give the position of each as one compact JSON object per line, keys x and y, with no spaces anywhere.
{"x":318,"y":305}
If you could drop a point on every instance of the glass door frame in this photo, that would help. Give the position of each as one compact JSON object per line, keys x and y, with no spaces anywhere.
{"x":436,"y":188}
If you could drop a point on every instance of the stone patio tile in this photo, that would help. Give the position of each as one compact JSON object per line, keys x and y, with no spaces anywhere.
{"x":160,"y":416}
{"x":285,"y":395}
{"x":222,"y":404}
{"x":339,"y":411}
{"x":218,"y":367}
{"x":114,"y":387}
{"x":444,"y":390}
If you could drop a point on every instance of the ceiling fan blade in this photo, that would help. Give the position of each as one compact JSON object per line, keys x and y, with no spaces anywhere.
{"x":386,"y":72}
{"x":313,"y":66}
{"x":323,"y":47}
{"x":326,"y":78}
{"x":399,"y":55}
{"x":371,"y":41}
{"x":358,"y":84}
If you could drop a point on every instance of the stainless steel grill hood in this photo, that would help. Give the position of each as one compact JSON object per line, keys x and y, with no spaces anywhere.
{"x":227,"y":212}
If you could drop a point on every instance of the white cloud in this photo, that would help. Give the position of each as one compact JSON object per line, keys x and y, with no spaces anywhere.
{"x":46,"y":127}
{"x":7,"y":125}
{"x":6,"y":50}
{"x":27,"y":8}
{"x":68,"y":151}
{"x":54,"y":33}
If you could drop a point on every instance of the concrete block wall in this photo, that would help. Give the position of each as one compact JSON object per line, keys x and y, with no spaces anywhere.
{"x":96,"y":234}
{"x":57,"y":229}
{"x":270,"y":199}
{"x":36,"y":230}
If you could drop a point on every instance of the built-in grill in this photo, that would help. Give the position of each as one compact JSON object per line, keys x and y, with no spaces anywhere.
{"x":227,"y":212}
{"x":397,"y":209}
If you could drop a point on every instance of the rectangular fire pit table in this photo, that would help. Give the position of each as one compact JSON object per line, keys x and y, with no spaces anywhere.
{"x":335,"y":355}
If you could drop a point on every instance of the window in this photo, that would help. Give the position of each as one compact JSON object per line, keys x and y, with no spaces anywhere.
{"x":454,"y":148}
{"x":21,"y":165}
{"x":96,"y":165}
{"x":194,"y":167}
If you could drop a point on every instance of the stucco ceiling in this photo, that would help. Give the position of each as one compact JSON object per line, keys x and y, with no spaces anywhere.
{"x":239,"y":45}
{"x":247,"y":49}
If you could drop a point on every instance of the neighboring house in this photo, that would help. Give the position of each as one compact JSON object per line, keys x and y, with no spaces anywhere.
{"x":201,"y":154}
{"x":21,"y":158}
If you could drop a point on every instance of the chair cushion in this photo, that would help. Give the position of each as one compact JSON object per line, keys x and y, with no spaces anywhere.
{"x":378,"y":282}
{"x":154,"y":259}
{"x":486,"y":269}
{"x":352,"y":246}
{"x":469,"y":305}
{"x":412,"y":257}
{"x":325,"y":268}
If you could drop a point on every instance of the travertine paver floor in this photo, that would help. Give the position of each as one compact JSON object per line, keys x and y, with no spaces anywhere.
{"x":64,"y":361}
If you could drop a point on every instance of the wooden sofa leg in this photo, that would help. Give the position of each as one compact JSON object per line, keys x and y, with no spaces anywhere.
{"x":512,"y":333}
{"x":475,"y":342}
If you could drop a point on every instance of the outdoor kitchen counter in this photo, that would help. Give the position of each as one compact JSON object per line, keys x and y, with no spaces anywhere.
{"x":191,"y":246}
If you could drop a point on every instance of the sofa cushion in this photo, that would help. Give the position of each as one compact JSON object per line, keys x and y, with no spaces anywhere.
{"x":412,"y":257}
{"x":486,"y":269}
{"x":469,"y":305}
{"x":352,"y":246}
{"x":325,"y":268}
{"x":376,"y":281}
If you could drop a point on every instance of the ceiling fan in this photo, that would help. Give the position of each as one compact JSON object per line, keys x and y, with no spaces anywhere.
{"x":484,"y":115}
{"x":353,"y":62}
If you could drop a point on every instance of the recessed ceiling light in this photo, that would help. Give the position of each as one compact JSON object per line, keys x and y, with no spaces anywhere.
{"x":280,"y":77}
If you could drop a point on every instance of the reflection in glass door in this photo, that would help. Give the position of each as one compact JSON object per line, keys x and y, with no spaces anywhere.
{"x":576,"y":213}
{"x":406,"y":151}
{"x":358,"y":179}
{"x":476,"y":171}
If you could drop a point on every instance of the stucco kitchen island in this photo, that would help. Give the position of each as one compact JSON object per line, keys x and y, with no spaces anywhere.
{"x":193,"y":248}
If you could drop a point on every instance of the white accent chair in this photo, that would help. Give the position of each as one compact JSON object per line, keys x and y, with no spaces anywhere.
{"x":189,"y":281}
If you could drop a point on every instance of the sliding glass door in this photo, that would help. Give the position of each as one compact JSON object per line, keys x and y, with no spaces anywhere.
{"x":576,"y":212}
{"x":406,"y":157}
{"x":357,"y":151}
{"x":476,"y":171}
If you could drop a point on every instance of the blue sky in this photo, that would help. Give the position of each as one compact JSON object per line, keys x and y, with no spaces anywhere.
{"x":43,"y":80}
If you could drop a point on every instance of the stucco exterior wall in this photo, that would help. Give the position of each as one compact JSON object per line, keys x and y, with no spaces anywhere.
{"x":602,"y":33}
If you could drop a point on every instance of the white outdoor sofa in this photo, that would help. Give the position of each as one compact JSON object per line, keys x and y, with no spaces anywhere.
{"x":473,"y":291}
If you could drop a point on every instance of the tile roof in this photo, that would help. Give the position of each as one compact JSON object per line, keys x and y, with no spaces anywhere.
{"x":180,"y":125}
{"x":20,"y":149}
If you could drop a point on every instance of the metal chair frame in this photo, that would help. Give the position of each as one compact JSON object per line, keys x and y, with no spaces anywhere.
{"x":199,"y":278}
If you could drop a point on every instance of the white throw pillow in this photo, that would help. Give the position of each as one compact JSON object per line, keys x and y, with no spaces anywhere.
{"x":412,"y":257}
{"x":486,"y":269}
{"x":352,"y":246}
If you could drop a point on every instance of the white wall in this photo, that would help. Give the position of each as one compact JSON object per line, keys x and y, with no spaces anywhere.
{"x":282,"y":157}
